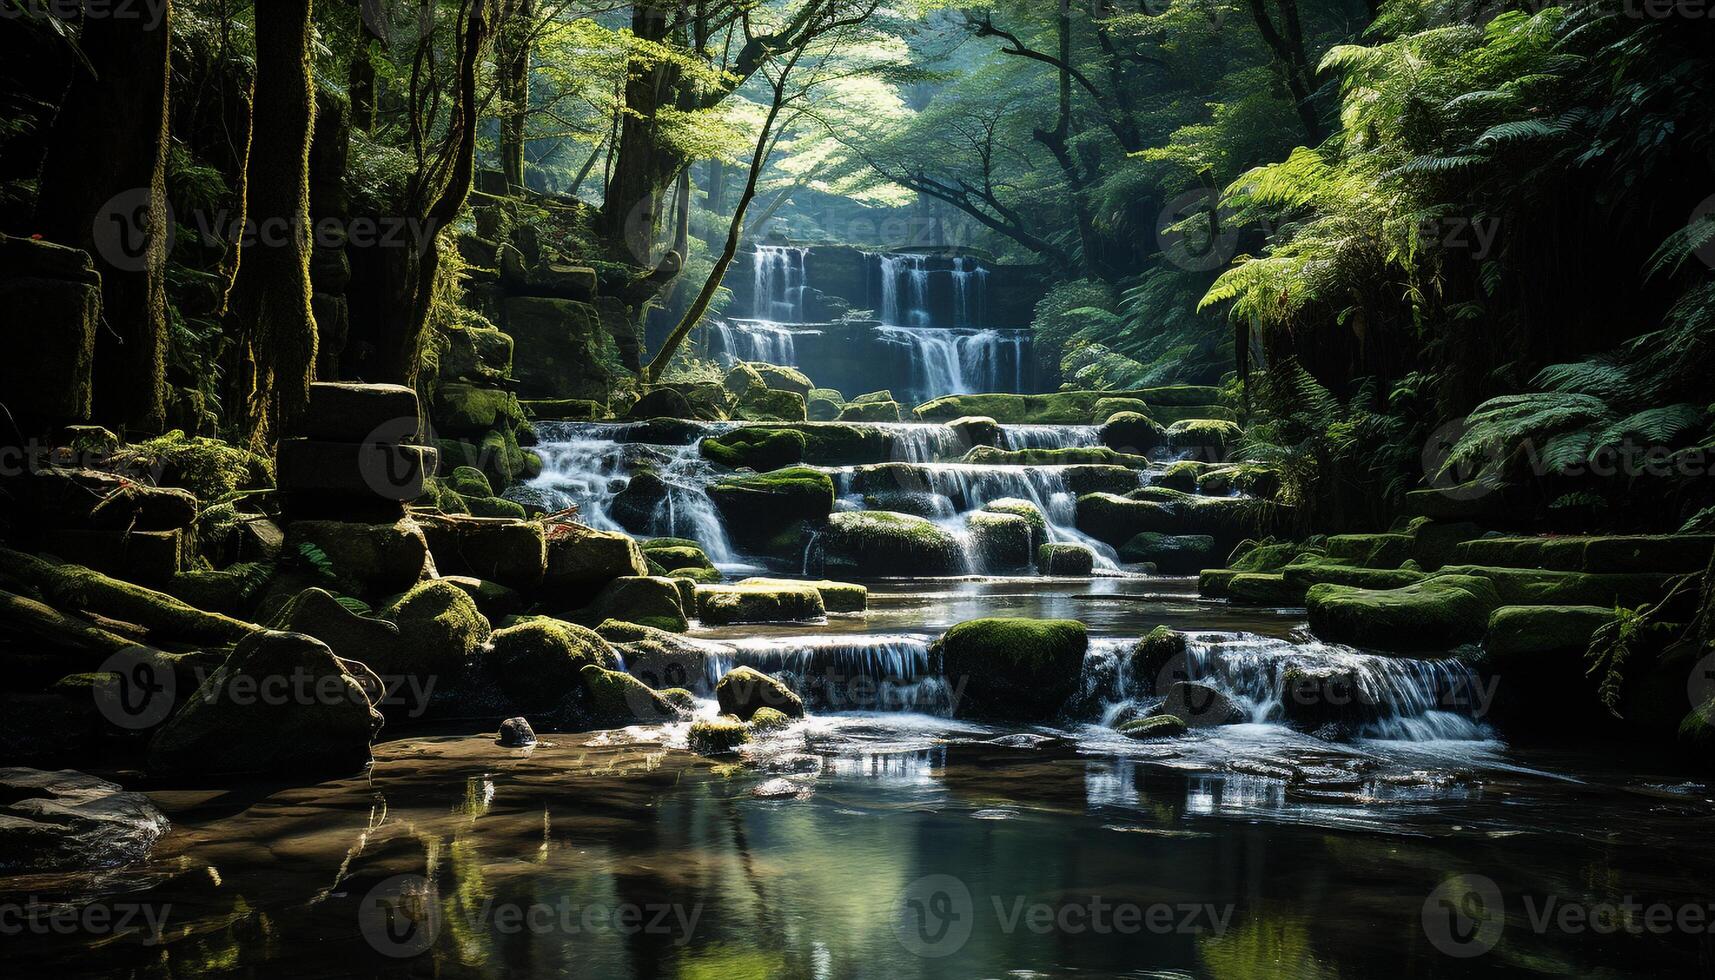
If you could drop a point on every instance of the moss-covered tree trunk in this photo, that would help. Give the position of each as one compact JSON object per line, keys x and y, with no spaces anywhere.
{"x":631,"y":205}
{"x":103,"y":188}
{"x":268,"y":308}
{"x":512,"y":64}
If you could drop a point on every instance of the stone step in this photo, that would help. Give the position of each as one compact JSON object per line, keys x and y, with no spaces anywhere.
{"x":346,"y":412}
{"x":381,"y":471}
{"x":1659,"y":553}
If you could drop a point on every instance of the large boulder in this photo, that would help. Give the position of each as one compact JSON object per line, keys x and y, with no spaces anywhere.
{"x":1000,"y":542}
{"x":1130,"y":432}
{"x":1012,"y":669}
{"x":581,"y":560}
{"x":883,"y":543}
{"x":1172,"y":554}
{"x":871,"y":412}
{"x":361,"y":469}
{"x":771,"y":405}
{"x":538,"y":662}
{"x":1206,"y":439}
{"x":976,"y":430}
{"x":511,"y":552}
{"x":52,"y":298}
{"x":617,"y":698}
{"x":315,"y":612}
{"x":783,"y":378}
{"x":1432,"y":616}
{"x":281,"y":704}
{"x":1065,"y":559}
{"x":476,"y":353}
{"x":67,"y":821}
{"x":759,"y":507}
{"x":440,"y":632}
{"x":1025,"y":509}
{"x":364,"y":559}
{"x":1199,"y":705}
{"x":462,"y":409}
{"x":562,"y":349}
{"x":837,"y":597}
{"x":661,"y":403}
{"x":646,"y":600}
{"x":742,"y":691}
{"x":759,"y":449}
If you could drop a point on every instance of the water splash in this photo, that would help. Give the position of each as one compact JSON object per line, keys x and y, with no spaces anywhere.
{"x":887,"y":672}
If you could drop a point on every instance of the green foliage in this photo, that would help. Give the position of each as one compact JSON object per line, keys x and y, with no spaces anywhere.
{"x":1614,"y":646}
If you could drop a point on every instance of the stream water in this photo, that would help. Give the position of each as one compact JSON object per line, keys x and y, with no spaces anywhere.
{"x":893,"y":843}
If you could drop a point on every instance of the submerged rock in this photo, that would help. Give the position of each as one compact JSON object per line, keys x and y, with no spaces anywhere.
{"x":68,"y":821}
{"x":718,"y":736}
{"x":1012,"y":669}
{"x":1199,"y":705}
{"x":1153,"y":727}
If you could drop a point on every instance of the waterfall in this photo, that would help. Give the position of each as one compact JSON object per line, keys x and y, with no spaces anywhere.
{"x":904,"y":281}
{"x":1394,"y":698}
{"x":971,"y":485}
{"x":778,"y":284}
{"x":842,"y":673}
{"x":757,"y":340}
{"x":970,"y":293}
{"x":947,"y":361}
{"x":592,"y":462}
{"x":921,"y":442}
{"x":1049,"y":436}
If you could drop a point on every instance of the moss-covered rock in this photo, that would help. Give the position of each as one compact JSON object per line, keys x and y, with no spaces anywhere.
{"x":513,"y":552}
{"x":918,"y":503}
{"x":468,"y":481}
{"x":1132,"y":432}
{"x":770,"y":405}
{"x":1657,"y":553}
{"x":440,"y":631}
{"x":755,"y":448}
{"x":1543,"y":587}
{"x":581,"y":560}
{"x":1160,"y":651}
{"x":837,"y":597}
{"x":1172,"y":554}
{"x":1207,"y":439}
{"x":717,"y":736}
{"x":1182,"y":476}
{"x":761,"y":506}
{"x":538,"y":663}
{"x":493,"y":600}
{"x":1012,"y":669}
{"x":1071,"y":560}
{"x":876,"y":411}
{"x":1519,"y":633}
{"x":1322,"y":698}
{"x":674,"y":557}
{"x":783,"y":378}
{"x":617,"y":698}
{"x":1070,"y":456}
{"x":209,"y":468}
{"x":824,"y":404}
{"x":1371,"y":550}
{"x":640,"y":500}
{"x":723,"y":605}
{"x":1310,"y":570}
{"x":224,"y":728}
{"x":1117,"y":520}
{"x":1264,"y":589}
{"x":872,"y":397}
{"x":976,"y":430}
{"x":362,"y":559}
{"x":1434,"y":615}
{"x":464,"y":409}
{"x":743,"y":691}
{"x":1199,"y":705}
{"x":1153,"y":727}
{"x":842,"y":443}
{"x":647,"y":600}
{"x":369,"y":641}
{"x":495,"y":507}
{"x":741,"y":379}
{"x":661,"y":403}
{"x":699,"y":576}
{"x":1022,"y":508}
{"x":883,"y":543}
{"x":1066,"y":407}
{"x":1000,"y":542}
{"x":767,"y":719}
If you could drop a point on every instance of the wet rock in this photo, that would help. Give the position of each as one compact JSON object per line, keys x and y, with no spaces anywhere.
{"x":1131,"y":432}
{"x":511,"y":552}
{"x":1012,"y":669}
{"x":315,"y":612}
{"x":877,"y":411}
{"x":837,"y":597}
{"x":1326,"y":700}
{"x":1065,"y":559}
{"x":493,"y":600}
{"x":784,"y":378}
{"x":768,"y":719}
{"x":769,"y":405}
{"x":1001,"y":542}
{"x":741,"y":378}
{"x":644,"y":496}
{"x":756,"y":448}
{"x":1205,"y":439}
{"x":882,"y":543}
{"x":1160,"y":651}
{"x":1199,"y":705}
{"x":481,"y":354}
{"x":617,"y":698}
{"x":281,"y":704}
{"x":976,"y":430}
{"x":68,"y":821}
{"x":917,"y":503}
{"x":1434,"y":615}
{"x":783,"y":602}
{"x":1172,"y":554}
{"x":824,"y":405}
{"x":760,"y":507}
{"x":744,"y":690}
{"x":539,"y":663}
{"x":660,"y":403}
{"x":648,"y":600}
{"x":581,"y":560}
{"x":1154,"y":727}
{"x":365,"y":559}
{"x":717,"y":736}
{"x":516,"y":733}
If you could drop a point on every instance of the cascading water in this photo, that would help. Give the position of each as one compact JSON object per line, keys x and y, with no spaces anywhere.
{"x":756,"y":340}
{"x":957,"y":361}
{"x":885,"y":672}
{"x":1049,"y":436}
{"x":904,"y":290}
{"x":1394,"y":698}
{"x":970,"y":293}
{"x":779,"y":285}
{"x":591,"y":463}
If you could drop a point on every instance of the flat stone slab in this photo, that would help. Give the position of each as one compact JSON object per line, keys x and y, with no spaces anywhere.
{"x":70,"y":821}
{"x":345,"y":412}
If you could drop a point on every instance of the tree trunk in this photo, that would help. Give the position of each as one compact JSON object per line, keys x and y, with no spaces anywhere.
{"x":360,"y":85}
{"x":1291,"y":62}
{"x":269,"y":308}
{"x":103,"y":189}
{"x":631,"y":207}
{"x":512,"y":64}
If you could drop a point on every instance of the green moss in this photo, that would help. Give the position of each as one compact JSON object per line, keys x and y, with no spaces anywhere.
{"x":1371,"y":550}
{"x":1212,"y":438}
{"x":1116,"y":520}
{"x":1062,"y":407}
{"x":1314,"y":570}
{"x":1072,"y":560}
{"x":743,"y":691}
{"x":742,"y":379}
{"x":842,"y":443}
{"x":1000,"y":542}
{"x":837,"y":597}
{"x":564,"y":409}
{"x":1181,"y":476}
{"x":724,"y":605}
{"x":769,"y":405}
{"x":468,"y":481}
{"x":1269,"y":555}
{"x":1264,"y":589}
{"x":208,"y":468}
{"x":651,"y":544}
{"x":1156,"y":726}
{"x":756,"y":448}
{"x":682,"y":700}
{"x":872,"y":397}
{"x":783,"y":378}
{"x":1025,"y":509}
{"x":717,"y":736}
{"x":769,"y":720}
{"x":539,"y":662}
{"x":673,"y":557}
{"x":759,"y":507}
{"x":824,"y":404}
{"x":1107,"y":408}
{"x":1129,"y":431}
{"x":877,"y":411}
{"x":1540,"y":587}
{"x":647,"y":599}
{"x":440,"y":629}
{"x":883,"y":543}
{"x":1152,"y":655}
{"x":463,"y":409}
{"x":1017,"y":669}
{"x":618,"y":698}
{"x":1529,"y":631}
{"x":700,"y":576}
{"x":495,"y":507}
{"x":1434,"y":615}
{"x":1097,"y":455}
{"x":1659,"y":553}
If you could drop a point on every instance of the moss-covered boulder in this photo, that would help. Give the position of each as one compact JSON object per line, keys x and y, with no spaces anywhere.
{"x":1157,"y":659}
{"x":674,"y":557}
{"x":227,"y":728}
{"x":783,"y":378}
{"x":1656,"y":553}
{"x":495,"y":507}
{"x":1012,"y":669}
{"x":717,"y":736}
{"x":1264,"y":589}
{"x":1308,"y":570}
{"x":722,"y":605}
{"x":1172,"y":554}
{"x":698,"y":576}
{"x":1206,"y":439}
{"x":440,"y":631}
{"x":1132,"y":433}
{"x":872,"y":397}
{"x":1182,"y":476}
{"x":1069,"y":456}
{"x":918,"y":503}
{"x":1199,"y":705}
{"x":759,"y":507}
{"x":1117,"y":520}
{"x":1518,"y":634}
{"x":883,"y":543}
{"x":510,"y":551}
{"x":768,"y":719}
{"x":769,"y":405}
{"x":842,"y":443}
{"x":1433,"y":616}
{"x":976,"y":430}
{"x":462,"y":409}
{"x":362,"y":559}
{"x":877,"y":411}
{"x":648,"y":600}
{"x":1025,"y":509}
{"x":581,"y":560}
{"x":741,"y":379}
{"x":538,"y":662}
{"x":661,"y":403}
{"x":755,"y":448}
{"x":1074,"y":407}
{"x":1371,"y":550}
{"x":1071,"y":560}
{"x":468,"y":481}
{"x":1153,"y":727}
{"x":742,"y":691}
{"x":1545,"y":587}
{"x":837,"y":597}
{"x":823,"y":404}
{"x":365,"y":639}
{"x":1000,"y":542}
{"x":617,"y":698}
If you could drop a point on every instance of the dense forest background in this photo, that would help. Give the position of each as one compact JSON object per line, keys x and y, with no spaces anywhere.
{"x":1369,"y":219}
